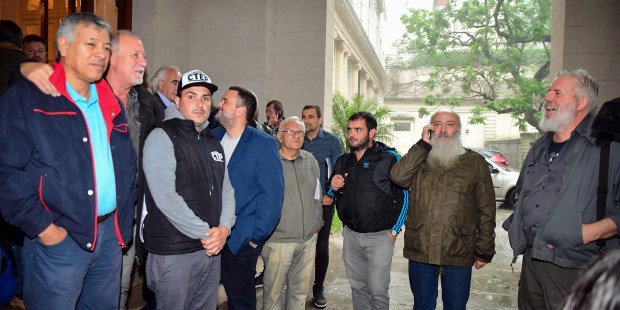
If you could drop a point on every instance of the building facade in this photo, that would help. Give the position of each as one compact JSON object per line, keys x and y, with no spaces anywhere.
{"x":302,"y":51}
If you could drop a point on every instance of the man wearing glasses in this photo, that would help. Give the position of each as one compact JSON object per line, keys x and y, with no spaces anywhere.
{"x":289,"y":251}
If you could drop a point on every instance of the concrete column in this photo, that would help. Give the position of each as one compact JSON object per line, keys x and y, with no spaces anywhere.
{"x":339,"y":59}
{"x":371,"y":89}
{"x":363,"y":83}
{"x":345,"y":70}
{"x":584,"y":34}
{"x":355,"y":73}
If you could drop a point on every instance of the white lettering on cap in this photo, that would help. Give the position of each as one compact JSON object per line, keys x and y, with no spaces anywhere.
{"x":198,"y":77}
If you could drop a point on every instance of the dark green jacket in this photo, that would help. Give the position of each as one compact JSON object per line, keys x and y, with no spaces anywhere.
{"x":451,"y":218}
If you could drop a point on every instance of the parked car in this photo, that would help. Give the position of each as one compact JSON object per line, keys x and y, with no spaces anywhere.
{"x":494,"y":156}
{"x":504,"y":183}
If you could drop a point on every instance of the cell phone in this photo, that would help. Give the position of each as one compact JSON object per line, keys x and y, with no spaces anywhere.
{"x":430,"y":134}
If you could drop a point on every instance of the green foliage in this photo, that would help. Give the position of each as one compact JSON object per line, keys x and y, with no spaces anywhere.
{"x":343,"y":108}
{"x":494,"y":50}
{"x":336,"y":224}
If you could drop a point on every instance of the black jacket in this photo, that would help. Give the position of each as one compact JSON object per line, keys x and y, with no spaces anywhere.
{"x":369,"y":201}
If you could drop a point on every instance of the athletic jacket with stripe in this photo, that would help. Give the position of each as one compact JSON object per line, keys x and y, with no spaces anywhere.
{"x":369,"y":201}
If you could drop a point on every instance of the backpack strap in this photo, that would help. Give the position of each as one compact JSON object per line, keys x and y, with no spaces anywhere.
{"x":602,"y":190}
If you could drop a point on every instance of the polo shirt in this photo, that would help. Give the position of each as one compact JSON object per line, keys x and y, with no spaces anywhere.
{"x":105,"y":184}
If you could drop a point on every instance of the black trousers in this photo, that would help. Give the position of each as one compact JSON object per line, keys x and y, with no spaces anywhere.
{"x":322,"y":248}
{"x":238,"y":277}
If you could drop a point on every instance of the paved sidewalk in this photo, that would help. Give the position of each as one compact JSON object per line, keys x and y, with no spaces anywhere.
{"x":494,"y":287}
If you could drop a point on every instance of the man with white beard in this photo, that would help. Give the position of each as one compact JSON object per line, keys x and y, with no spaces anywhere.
{"x":451,"y":219}
{"x":555,"y":224}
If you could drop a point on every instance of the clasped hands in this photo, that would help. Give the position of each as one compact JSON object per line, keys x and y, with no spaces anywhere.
{"x":215,"y":244}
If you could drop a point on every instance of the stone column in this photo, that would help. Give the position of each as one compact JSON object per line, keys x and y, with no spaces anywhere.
{"x":355,"y":73}
{"x":363,"y":83}
{"x":345,"y":70}
{"x":371,"y":89}
{"x":339,"y":60}
{"x":586,"y":36}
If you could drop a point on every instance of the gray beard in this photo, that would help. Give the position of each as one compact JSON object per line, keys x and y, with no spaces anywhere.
{"x":445,"y":153}
{"x":559,"y":122}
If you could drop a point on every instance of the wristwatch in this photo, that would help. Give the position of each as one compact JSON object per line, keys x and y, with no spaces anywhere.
{"x":393,"y":232}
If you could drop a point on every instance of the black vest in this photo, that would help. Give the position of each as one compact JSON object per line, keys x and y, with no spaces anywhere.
{"x":199,"y":178}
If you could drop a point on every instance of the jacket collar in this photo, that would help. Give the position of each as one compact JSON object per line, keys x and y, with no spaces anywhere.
{"x":582,"y":130}
{"x":173,"y":113}
{"x":302,"y":153}
{"x":110,"y":107}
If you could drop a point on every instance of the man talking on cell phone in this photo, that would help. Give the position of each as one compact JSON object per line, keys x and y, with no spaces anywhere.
{"x":452,"y":196}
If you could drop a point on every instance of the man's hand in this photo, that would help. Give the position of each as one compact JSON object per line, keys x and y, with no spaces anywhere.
{"x":338,"y":181}
{"x":389,"y":232}
{"x":52,"y":235}
{"x":479,"y":264}
{"x":425,"y":133}
{"x":39,"y":74}
{"x":326,"y":200}
{"x":215,"y":244}
{"x":603,"y":229}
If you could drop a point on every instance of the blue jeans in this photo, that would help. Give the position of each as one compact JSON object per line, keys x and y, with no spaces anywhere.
{"x":65,"y":276}
{"x":455,"y":284}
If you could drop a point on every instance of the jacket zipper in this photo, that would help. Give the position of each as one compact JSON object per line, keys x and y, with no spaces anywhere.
{"x":209,"y":176}
{"x":303,"y":228}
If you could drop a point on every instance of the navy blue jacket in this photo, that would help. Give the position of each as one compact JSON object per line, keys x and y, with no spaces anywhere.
{"x":46,"y":165}
{"x":255,"y":173}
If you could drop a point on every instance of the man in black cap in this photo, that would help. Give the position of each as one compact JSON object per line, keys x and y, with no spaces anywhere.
{"x":190,"y":202}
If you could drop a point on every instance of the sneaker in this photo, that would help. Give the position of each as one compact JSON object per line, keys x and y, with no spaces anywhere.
{"x":319,"y":298}
{"x":258,"y":281}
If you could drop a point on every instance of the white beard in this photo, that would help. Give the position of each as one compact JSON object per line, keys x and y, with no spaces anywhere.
{"x":560,"y":121}
{"x":445,"y":153}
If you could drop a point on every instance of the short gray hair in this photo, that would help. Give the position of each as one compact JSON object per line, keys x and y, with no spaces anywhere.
{"x":586,"y":86}
{"x":69,"y":23}
{"x":458,"y":117}
{"x":160,"y":75}
{"x":116,"y":37}
{"x":290,"y":119}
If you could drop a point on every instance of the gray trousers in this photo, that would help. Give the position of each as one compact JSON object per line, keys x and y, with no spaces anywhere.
{"x":368,"y":260}
{"x":544,"y":285}
{"x":184,"y":281}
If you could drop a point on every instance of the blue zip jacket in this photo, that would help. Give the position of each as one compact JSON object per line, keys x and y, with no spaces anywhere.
{"x":255,"y":173}
{"x":47,"y":173}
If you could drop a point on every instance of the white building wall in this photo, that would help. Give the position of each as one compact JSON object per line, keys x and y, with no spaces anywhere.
{"x":472,"y":136}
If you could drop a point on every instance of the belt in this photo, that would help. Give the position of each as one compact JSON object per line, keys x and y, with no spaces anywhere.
{"x":102,"y":218}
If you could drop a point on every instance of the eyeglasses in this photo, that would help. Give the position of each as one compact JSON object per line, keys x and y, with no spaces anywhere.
{"x":292,"y":132}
